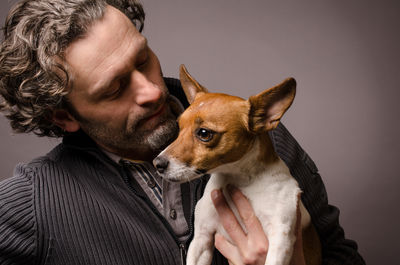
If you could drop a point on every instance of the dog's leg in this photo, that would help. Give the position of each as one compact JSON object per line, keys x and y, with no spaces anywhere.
{"x":202,"y":246}
{"x":281,"y":242}
{"x":201,"y":250}
{"x":280,"y":230}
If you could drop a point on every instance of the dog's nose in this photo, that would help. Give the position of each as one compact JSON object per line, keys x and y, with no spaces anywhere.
{"x":160,"y":163}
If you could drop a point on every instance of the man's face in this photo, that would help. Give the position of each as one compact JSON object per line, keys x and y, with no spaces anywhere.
{"x":118,"y":95}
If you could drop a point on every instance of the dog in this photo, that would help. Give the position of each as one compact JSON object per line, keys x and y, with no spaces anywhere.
{"x":227,"y":137}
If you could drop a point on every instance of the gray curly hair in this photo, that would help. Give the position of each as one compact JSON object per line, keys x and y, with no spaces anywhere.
{"x":33,"y":82}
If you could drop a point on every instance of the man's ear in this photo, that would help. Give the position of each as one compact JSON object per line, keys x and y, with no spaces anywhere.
{"x":63,"y":119}
{"x":190,"y":86}
{"x":268,"y":107}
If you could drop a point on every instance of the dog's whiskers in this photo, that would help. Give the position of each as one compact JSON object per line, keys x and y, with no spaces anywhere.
{"x":200,"y":171}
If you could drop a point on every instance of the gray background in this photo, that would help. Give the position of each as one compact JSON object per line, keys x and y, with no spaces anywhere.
{"x":345,"y":57}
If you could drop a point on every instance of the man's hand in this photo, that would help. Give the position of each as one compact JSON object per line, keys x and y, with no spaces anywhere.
{"x":250,"y":248}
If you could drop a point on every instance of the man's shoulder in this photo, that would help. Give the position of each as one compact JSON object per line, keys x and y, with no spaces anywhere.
{"x":25,"y":175}
{"x":17,"y":214}
{"x":56,"y":160}
{"x":37,"y":165}
{"x":21,"y":179}
{"x":47,"y":174}
{"x":20,"y":206}
{"x":17,"y":196}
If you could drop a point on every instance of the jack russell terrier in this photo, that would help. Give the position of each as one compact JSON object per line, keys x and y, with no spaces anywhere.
{"x":227,"y":137}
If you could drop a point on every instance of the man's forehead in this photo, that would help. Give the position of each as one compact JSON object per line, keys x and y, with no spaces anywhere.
{"x":109,"y":44}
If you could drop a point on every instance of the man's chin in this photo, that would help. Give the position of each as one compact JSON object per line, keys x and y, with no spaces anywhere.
{"x":162,"y":136}
{"x":144,"y":145}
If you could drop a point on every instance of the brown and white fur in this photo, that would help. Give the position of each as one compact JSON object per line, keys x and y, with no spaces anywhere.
{"x":227,"y":137}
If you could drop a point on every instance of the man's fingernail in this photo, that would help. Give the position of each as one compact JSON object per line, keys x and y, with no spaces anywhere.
{"x":215,"y":194}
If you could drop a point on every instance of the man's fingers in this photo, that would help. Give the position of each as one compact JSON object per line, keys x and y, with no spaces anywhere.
{"x":246,"y":211}
{"x":228,"y":250}
{"x":228,"y":219}
{"x":250,"y":248}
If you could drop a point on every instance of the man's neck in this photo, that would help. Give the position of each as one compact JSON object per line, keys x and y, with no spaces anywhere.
{"x":133,"y":155}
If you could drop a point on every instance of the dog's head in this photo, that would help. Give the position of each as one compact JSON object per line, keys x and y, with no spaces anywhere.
{"x":219,"y":129}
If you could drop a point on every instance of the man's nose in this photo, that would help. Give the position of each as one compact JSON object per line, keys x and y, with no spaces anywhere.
{"x":146,"y":92}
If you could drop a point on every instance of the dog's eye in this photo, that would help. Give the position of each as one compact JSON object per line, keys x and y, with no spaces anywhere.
{"x":204,"y":135}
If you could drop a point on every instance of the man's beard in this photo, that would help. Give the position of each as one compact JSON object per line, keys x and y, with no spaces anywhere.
{"x":125,"y":141}
{"x":149,"y":141}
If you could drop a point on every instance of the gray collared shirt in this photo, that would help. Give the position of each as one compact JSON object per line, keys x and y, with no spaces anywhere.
{"x":165,"y":196}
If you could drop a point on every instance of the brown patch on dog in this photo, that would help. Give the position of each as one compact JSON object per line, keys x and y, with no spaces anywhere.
{"x":190,"y":86}
{"x":267,"y":154}
{"x":309,"y":239}
{"x":231,"y":138}
{"x":268,"y":107}
{"x":311,"y":246}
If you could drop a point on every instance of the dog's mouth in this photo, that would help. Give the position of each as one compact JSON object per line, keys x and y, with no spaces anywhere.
{"x":182,"y":176}
{"x":174,"y":170}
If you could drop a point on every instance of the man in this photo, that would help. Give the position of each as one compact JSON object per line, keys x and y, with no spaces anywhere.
{"x":82,"y":70}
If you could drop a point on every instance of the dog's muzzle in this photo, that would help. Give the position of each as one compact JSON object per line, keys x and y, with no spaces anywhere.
{"x":161,"y":164}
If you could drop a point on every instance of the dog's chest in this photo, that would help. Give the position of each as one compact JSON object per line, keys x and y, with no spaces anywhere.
{"x":273,"y":195}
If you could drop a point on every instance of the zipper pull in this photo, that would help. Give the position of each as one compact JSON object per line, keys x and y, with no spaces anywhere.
{"x":183,"y":253}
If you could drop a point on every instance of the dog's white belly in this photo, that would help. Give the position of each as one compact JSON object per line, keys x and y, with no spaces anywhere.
{"x":274,"y":200}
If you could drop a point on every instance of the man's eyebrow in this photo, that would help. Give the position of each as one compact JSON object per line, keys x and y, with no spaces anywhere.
{"x":121,"y":69}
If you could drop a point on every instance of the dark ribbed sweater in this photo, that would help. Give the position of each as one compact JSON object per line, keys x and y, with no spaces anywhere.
{"x":77,"y":206}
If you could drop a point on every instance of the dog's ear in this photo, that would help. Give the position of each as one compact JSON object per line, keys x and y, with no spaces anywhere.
{"x":268,"y":107}
{"x":190,"y":86}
